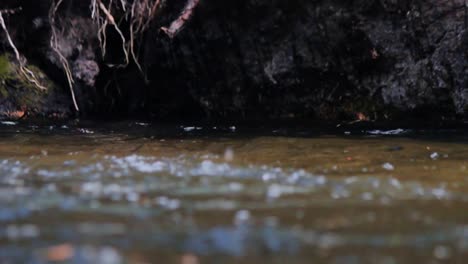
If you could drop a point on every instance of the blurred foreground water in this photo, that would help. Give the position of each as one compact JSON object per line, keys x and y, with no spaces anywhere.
{"x":141,"y":193}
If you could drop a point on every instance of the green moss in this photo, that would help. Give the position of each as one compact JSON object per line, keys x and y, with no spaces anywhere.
{"x":5,"y":68}
{"x":15,"y":87}
{"x":5,"y":72}
{"x":19,"y":93}
{"x":28,"y":85}
{"x":3,"y":91}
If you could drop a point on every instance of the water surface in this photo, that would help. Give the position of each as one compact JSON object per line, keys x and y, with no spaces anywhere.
{"x":140,"y":193}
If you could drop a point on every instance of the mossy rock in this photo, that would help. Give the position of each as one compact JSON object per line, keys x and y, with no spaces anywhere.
{"x":17,"y":93}
{"x":5,"y":73}
{"x":5,"y":68}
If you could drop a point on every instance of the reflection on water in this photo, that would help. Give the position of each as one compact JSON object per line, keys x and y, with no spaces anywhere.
{"x":136,"y":193}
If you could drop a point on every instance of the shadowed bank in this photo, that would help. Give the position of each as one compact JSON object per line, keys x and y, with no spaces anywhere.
{"x":332,"y":60}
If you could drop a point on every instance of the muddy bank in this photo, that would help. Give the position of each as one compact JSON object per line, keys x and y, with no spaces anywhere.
{"x":383,"y":60}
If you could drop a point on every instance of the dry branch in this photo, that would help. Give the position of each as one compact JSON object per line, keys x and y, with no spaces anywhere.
{"x":178,"y":24}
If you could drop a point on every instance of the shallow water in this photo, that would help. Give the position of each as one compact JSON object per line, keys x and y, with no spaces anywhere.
{"x":141,"y":193}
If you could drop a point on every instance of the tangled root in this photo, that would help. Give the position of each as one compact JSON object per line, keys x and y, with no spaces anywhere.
{"x":137,"y":13}
{"x":27,"y":73}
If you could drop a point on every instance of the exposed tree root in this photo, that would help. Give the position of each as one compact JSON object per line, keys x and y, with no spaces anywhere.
{"x":55,"y":47}
{"x":21,"y":60}
{"x":109,"y":19}
{"x":138,"y":13}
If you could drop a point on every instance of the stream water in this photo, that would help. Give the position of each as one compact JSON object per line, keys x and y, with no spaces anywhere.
{"x":140,"y":193}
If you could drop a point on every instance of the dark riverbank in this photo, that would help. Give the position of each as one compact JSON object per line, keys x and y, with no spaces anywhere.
{"x":255,"y":60}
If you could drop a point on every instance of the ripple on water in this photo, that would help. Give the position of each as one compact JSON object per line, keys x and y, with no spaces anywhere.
{"x":148,"y":187}
{"x":9,"y":123}
{"x":129,"y":178}
{"x":392,"y":132}
{"x":230,"y":196}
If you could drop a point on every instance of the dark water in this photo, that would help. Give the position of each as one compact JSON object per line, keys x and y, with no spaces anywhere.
{"x":141,"y":193}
